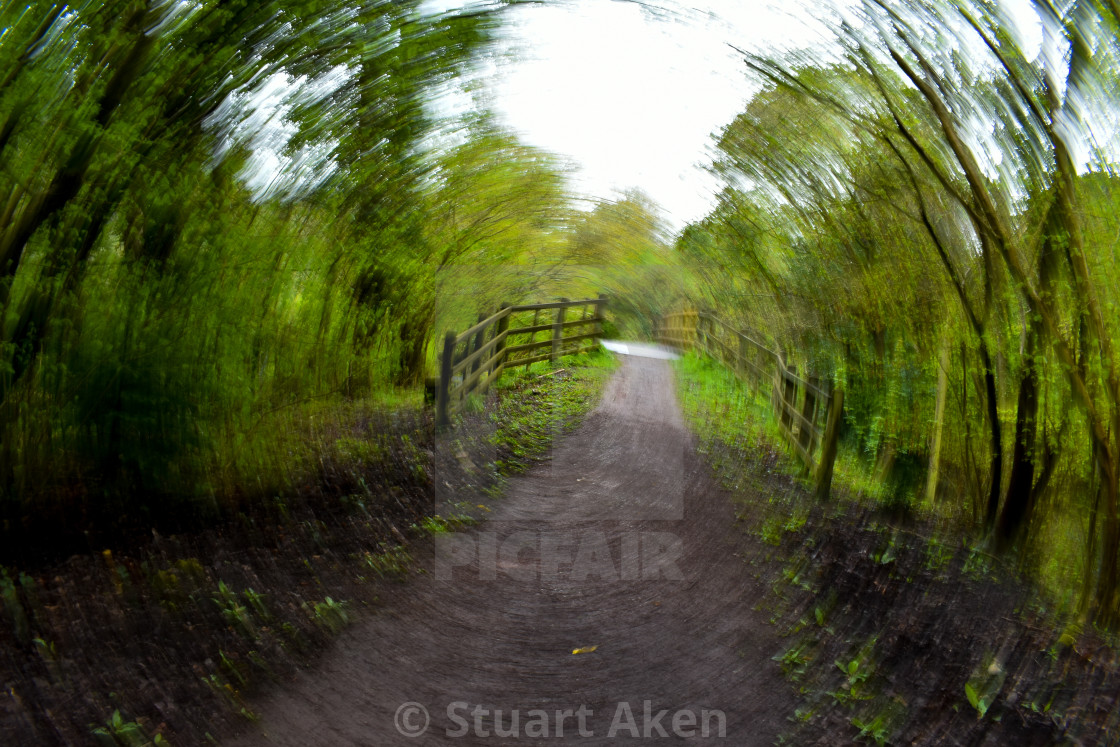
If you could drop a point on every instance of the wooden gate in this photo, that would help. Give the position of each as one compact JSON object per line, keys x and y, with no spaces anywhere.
{"x":475,"y":357}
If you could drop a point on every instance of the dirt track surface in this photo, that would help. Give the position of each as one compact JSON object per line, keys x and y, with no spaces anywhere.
{"x":622,"y":542}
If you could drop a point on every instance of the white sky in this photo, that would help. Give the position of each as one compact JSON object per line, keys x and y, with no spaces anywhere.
{"x":634,"y":99}
{"x":630,"y":93}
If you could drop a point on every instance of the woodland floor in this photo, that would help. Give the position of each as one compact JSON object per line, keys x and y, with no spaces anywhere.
{"x":689,"y":575}
{"x":167,"y":640}
{"x":761,"y":625}
{"x":621,"y":543}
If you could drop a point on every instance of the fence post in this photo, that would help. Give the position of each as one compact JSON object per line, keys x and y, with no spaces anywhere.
{"x":503,"y":325}
{"x":443,"y":394}
{"x":558,"y":332}
{"x":600,"y":315}
{"x":742,"y":356}
{"x":828,"y":447}
{"x":479,"y":336}
{"x":533,"y":335}
{"x":788,"y":394}
{"x":808,"y":411}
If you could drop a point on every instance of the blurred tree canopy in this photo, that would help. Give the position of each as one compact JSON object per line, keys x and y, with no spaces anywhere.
{"x":930,"y":218}
{"x":215,"y":211}
{"x":223,"y":219}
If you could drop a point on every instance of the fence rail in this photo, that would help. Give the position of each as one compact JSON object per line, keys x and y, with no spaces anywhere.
{"x":808,"y":410}
{"x":472,"y":359}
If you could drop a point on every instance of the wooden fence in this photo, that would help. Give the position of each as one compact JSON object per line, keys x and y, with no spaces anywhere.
{"x":475,"y":357}
{"x":809,"y":411}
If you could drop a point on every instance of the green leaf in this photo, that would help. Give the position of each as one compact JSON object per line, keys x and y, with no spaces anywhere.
{"x":103,"y":738}
{"x":981,"y":704}
{"x":971,"y":694}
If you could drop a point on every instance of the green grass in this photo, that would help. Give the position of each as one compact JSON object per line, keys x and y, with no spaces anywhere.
{"x":718,"y":403}
{"x":543,"y":401}
{"x":726,"y":409}
{"x":589,"y":368}
{"x":721,"y":408}
{"x":285,"y":445}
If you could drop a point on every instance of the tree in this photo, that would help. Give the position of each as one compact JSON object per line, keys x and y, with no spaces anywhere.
{"x":154,"y":312}
{"x":943,"y":99}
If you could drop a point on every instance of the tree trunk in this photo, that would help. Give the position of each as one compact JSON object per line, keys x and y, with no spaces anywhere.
{"x":995,"y":473}
{"x":1022,"y":491}
{"x":938,"y":419}
{"x":414,"y":346}
{"x":1018,"y":505}
{"x":1108,"y":608}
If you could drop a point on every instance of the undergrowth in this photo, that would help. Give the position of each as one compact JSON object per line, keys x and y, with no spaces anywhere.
{"x":898,"y":631}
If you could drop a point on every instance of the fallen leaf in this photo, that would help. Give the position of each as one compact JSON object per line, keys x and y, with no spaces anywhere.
{"x":586,"y":650}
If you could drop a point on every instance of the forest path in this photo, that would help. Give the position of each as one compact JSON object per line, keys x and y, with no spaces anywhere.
{"x":621,"y":542}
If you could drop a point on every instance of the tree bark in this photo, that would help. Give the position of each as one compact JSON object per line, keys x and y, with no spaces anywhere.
{"x":938,"y":419}
{"x":1019,"y":504}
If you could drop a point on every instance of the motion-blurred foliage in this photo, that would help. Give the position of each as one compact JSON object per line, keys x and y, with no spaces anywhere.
{"x":162,"y":313}
{"x":927,"y":214}
{"x":225,"y":221}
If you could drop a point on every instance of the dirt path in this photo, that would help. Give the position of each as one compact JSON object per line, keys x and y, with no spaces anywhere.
{"x":622,"y":542}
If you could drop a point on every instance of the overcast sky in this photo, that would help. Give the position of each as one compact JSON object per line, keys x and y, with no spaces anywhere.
{"x":633,"y":96}
{"x":628,"y":92}
{"x":632,"y":92}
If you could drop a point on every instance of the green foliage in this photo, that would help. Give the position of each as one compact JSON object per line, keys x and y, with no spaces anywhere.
{"x":722,"y":406}
{"x":392,"y":563}
{"x":977,"y":701}
{"x":527,"y":427}
{"x":771,"y":531}
{"x":236,"y":614}
{"x":439,"y":525}
{"x":13,"y":607}
{"x":881,"y":721}
{"x":958,"y":279}
{"x":179,"y":338}
{"x":875,"y":729}
{"x":795,"y":660}
{"x":937,"y":555}
{"x":168,"y":336}
{"x":977,"y":564}
{"x":120,"y":733}
{"x":857,"y":673}
{"x":984,"y":685}
{"x":256,"y":604}
{"x":330,"y":614}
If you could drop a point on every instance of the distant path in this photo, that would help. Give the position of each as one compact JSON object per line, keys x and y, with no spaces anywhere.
{"x":624,"y":496}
